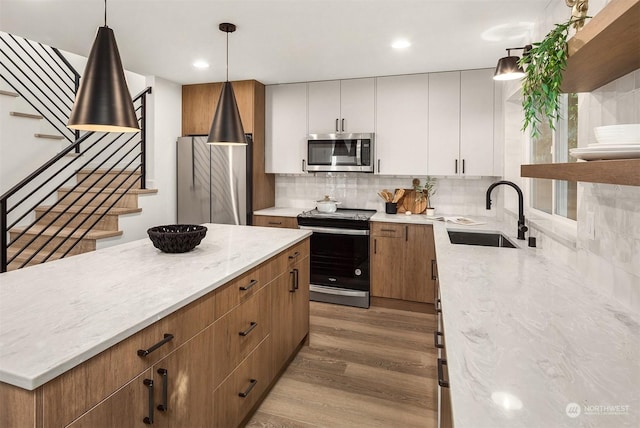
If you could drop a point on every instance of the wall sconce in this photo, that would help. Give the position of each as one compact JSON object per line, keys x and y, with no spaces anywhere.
{"x":508,"y":67}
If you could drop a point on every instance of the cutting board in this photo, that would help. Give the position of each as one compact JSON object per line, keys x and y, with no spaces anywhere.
{"x":409,"y":203}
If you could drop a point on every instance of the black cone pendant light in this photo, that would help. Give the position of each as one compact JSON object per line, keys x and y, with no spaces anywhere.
{"x":508,"y":67}
{"x":226,"y":127}
{"x":103,"y":102}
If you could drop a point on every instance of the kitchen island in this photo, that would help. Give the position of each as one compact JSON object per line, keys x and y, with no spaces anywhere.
{"x":61,"y":317}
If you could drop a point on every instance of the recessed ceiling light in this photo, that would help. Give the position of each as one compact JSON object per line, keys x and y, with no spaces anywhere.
{"x":401,"y":44}
{"x":201,"y":65}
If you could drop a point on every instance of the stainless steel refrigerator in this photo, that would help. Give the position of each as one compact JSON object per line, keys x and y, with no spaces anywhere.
{"x":214,"y":182}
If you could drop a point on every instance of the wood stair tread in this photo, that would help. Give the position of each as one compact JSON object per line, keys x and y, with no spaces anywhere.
{"x":87,"y":210}
{"x":25,"y":253}
{"x":67,"y":232}
{"x":106,"y":171}
{"x":115,"y":190}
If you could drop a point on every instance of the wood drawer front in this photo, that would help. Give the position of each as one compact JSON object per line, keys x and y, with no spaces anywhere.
{"x":231,"y":347}
{"x":76,"y":391}
{"x":230,"y":408}
{"x":275,"y":221}
{"x":388,"y":230}
{"x":296,"y":253}
{"x":244,"y":287}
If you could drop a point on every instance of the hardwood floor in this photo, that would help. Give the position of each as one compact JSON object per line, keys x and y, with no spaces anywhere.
{"x":363,"y":368}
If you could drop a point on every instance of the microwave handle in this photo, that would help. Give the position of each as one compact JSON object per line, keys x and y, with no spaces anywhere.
{"x":358,"y":152}
{"x":304,"y":165}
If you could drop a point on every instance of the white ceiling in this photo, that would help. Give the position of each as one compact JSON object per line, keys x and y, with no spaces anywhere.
{"x":281,"y":41}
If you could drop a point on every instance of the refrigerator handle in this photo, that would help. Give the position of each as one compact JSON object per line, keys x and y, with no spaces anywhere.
{"x":193,"y":163}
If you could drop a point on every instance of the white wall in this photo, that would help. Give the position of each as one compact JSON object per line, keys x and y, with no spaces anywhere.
{"x":165,"y":119}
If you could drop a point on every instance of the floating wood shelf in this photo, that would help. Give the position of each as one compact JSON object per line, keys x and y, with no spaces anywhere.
{"x":606,"y":48}
{"x":623,"y":171}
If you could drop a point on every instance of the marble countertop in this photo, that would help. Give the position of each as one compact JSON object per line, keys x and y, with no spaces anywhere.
{"x":527,"y":341}
{"x":56,"y":315}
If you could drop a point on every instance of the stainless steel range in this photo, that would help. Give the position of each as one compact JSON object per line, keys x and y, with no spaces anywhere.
{"x":339,"y":255}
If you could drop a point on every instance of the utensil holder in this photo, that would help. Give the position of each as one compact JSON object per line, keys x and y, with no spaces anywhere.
{"x":391,"y":207}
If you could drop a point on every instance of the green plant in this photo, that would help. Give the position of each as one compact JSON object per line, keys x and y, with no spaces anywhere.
{"x":424,"y":191}
{"x":543,"y":66}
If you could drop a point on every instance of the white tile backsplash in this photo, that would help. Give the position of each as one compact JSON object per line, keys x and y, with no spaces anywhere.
{"x":454,"y":195}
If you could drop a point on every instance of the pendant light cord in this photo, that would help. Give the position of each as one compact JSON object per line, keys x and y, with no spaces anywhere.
{"x":227,"y":55}
{"x":105,"y":13}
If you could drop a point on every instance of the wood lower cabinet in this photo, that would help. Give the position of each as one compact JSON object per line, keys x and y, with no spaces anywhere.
{"x":275,"y":221}
{"x":194,"y":378}
{"x":402,"y":261}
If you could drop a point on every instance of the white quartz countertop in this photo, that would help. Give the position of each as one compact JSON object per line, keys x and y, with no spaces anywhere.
{"x":56,"y":315}
{"x":526,"y":341}
{"x":280,"y":211}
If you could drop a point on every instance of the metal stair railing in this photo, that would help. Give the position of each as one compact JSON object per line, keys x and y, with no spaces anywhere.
{"x":121,"y":155}
{"x":43,"y":77}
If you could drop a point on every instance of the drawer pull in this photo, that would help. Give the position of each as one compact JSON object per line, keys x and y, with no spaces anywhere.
{"x":433,"y":270}
{"x":443,"y":383}
{"x":252,"y":325}
{"x":275,"y":222}
{"x":252,"y":383}
{"x":436,"y":341}
{"x":388,"y":230}
{"x":295,"y":255}
{"x":165,"y":385}
{"x":149,"y":384}
{"x":145,"y":352}
{"x":249,"y":286}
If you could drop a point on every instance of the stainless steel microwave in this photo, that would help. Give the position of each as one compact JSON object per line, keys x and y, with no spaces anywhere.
{"x":340,"y":152}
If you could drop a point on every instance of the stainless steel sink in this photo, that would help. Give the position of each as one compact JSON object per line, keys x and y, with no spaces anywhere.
{"x":485,"y":239}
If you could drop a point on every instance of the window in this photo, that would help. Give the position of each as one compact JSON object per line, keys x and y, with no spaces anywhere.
{"x":556,"y":197}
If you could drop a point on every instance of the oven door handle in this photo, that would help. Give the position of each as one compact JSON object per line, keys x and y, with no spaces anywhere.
{"x":335,"y":230}
{"x":336,"y":291}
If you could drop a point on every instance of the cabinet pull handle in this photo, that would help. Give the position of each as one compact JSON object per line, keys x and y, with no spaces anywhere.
{"x":387,"y":230}
{"x":436,"y":341}
{"x":165,"y":385}
{"x":145,"y":352}
{"x":252,"y":325}
{"x":149,"y":384}
{"x":337,"y":129}
{"x":443,"y":383}
{"x":378,"y":165}
{"x":295,"y":255}
{"x":406,"y":233}
{"x":433,"y":270}
{"x":274,"y":222}
{"x":252,"y":383}
{"x":342,"y":124}
{"x":303,"y":165}
{"x":438,"y":306}
{"x":463,"y":166}
{"x":292,"y":275}
{"x":249,"y":286}
{"x":375,"y":246}
{"x":456,"y":166}
{"x":296,"y":275}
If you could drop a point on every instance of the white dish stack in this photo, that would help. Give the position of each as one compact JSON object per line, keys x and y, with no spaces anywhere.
{"x":614,"y":142}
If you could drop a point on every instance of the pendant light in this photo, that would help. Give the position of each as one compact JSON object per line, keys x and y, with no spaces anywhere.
{"x":226,"y":127}
{"x":508,"y":67}
{"x":103,"y":102}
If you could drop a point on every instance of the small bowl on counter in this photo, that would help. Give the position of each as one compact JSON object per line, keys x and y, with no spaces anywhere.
{"x":177,"y":238}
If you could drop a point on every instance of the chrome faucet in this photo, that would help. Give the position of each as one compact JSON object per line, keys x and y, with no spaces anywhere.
{"x":521,"y":227}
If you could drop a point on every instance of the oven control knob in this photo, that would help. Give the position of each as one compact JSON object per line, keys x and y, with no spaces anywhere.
{"x":358,"y":272}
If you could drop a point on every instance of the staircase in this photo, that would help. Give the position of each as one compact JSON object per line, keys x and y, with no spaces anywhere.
{"x":81,"y":184}
{"x":81,"y":218}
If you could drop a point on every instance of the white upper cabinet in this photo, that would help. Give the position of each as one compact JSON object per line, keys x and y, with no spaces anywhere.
{"x":286,"y":128}
{"x":402,"y":108}
{"x":444,"y":123}
{"x":461,"y":123}
{"x":476,"y":122}
{"x":341,"y":106}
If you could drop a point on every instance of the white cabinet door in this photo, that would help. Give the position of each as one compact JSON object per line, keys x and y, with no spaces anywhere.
{"x":324,"y":107}
{"x":402,"y":106}
{"x":286,"y":128}
{"x":357,"y":105}
{"x":444,"y":123}
{"x":477,"y":122}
